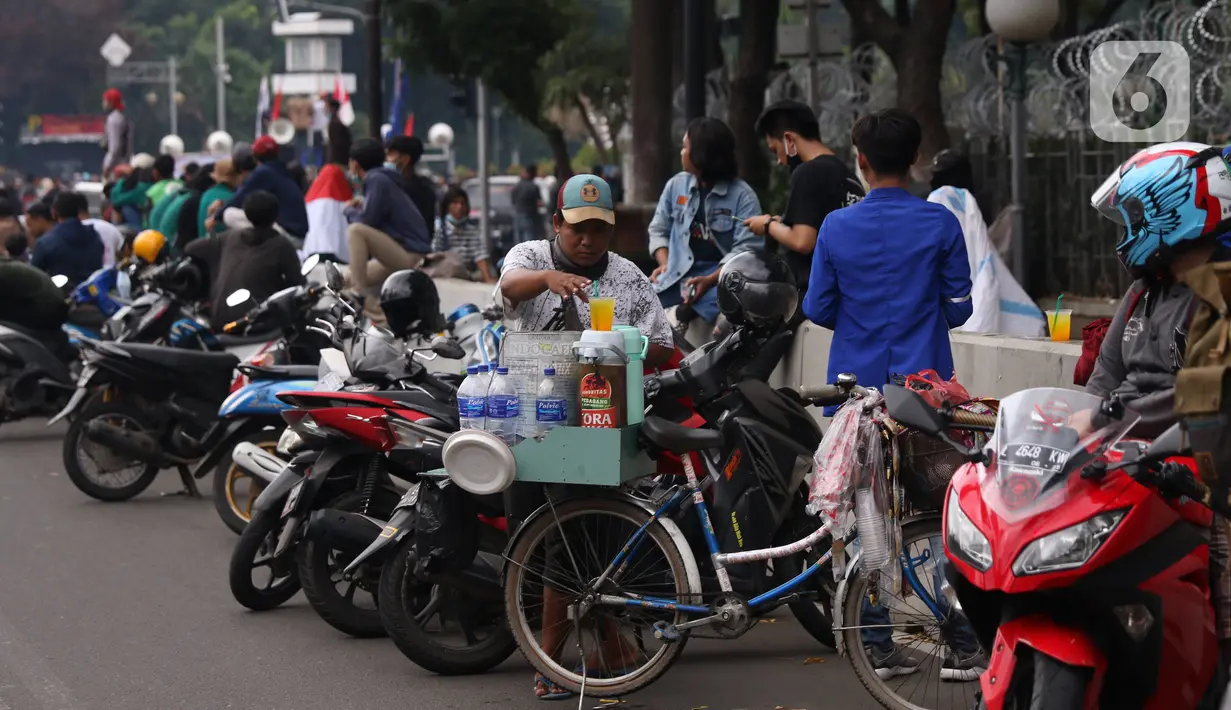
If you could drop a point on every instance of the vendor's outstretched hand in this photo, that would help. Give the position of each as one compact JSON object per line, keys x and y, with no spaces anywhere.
{"x":568,"y":285}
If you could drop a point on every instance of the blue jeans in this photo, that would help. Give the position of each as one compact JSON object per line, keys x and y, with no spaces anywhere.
{"x":131,"y":216}
{"x":527,"y":228}
{"x":963,"y":637}
{"x":707,"y":306}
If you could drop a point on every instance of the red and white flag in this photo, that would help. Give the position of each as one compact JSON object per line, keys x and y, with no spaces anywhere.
{"x":346,"y":112}
{"x":326,"y":203}
{"x":276,"y":112}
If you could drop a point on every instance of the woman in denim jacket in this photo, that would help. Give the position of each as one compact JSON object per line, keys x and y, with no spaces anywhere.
{"x":699,"y":222}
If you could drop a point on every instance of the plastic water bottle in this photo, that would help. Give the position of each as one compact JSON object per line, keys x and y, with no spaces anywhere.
{"x":503,"y":407}
{"x":873,"y":536}
{"x":550,"y":409}
{"x":472,"y":400}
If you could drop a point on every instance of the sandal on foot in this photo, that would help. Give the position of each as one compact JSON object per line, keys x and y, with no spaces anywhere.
{"x":550,"y":691}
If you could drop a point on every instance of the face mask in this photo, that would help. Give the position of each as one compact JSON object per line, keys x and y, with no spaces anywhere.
{"x":792,"y":156}
{"x":391,"y":166}
{"x":452,"y":219}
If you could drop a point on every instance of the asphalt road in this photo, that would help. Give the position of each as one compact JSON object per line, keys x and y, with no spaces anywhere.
{"x":112,"y":606}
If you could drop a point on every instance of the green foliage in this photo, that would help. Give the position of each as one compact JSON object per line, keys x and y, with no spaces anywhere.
{"x":185,"y":29}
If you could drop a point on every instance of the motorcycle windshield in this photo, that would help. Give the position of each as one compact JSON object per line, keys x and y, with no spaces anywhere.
{"x":1043,"y":439}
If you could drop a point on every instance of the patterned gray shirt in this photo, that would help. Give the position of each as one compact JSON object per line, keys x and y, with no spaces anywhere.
{"x":635,"y":300}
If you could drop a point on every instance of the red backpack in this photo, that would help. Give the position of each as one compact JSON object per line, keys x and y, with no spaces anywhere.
{"x":1092,"y":337}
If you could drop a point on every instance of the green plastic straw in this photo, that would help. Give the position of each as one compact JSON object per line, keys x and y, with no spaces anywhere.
{"x":1055,"y":316}
{"x":595,"y":282}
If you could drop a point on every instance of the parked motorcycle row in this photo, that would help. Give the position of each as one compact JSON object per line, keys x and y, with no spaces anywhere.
{"x":1074,"y":560}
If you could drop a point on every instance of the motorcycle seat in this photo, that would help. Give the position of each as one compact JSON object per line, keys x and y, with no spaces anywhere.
{"x":228,"y":340}
{"x":280,"y":372}
{"x":188,"y":361}
{"x":679,"y":439}
{"x":422,"y":402}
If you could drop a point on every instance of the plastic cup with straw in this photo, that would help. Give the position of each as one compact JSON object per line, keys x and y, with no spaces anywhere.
{"x":1060,"y":322}
{"x":602,"y":311}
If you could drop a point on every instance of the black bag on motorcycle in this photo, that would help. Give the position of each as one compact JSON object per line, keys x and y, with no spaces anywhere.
{"x":759,"y":479}
{"x":446,"y":529}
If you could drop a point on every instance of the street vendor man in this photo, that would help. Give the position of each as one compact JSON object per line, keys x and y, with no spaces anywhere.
{"x":547,"y":283}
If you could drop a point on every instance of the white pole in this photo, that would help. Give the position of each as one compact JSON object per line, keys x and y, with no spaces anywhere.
{"x":175,"y":120}
{"x":220,"y":49}
{"x":484,"y":189}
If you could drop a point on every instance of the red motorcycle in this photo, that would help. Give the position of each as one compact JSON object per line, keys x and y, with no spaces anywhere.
{"x":1080,"y":559}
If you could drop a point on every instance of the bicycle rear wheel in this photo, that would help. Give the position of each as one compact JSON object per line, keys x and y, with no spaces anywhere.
{"x":552,"y":569}
{"x":925,"y":671}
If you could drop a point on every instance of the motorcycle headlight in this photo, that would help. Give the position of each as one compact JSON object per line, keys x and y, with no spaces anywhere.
{"x":1068,"y":548}
{"x":289,"y":442}
{"x":964,"y":538}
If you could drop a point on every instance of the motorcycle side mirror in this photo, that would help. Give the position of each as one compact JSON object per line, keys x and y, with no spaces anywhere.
{"x":333,"y":277}
{"x":238,"y":297}
{"x":1170,"y":443}
{"x":60,"y":280}
{"x":309,"y":264}
{"x":906,"y":406}
{"x":447,"y":348}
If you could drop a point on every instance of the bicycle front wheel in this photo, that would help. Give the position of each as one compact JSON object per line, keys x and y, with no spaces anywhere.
{"x":553,"y":567}
{"x":910,"y":650}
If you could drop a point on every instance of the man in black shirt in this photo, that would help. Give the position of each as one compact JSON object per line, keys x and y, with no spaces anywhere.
{"x":259,"y":259}
{"x":820,"y":183}
{"x":404,"y":153}
{"x":528,"y":223}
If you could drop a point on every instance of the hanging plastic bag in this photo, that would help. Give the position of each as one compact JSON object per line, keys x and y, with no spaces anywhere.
{"x":835,"y":465}
{"x":446,"y":530}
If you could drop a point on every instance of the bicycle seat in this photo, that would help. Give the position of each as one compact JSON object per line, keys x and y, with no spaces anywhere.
{"x":280,"y":372}
{"x":187,"y":361}
{"x":679,"y":439}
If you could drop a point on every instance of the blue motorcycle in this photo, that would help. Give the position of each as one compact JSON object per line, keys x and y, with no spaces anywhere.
{"x":253,"y":414}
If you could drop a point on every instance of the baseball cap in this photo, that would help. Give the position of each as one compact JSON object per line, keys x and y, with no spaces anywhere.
{"x":586,"y":197}
{"x":264,"y":146}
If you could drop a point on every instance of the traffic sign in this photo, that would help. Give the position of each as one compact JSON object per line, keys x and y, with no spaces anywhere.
{"x":115,"y":50}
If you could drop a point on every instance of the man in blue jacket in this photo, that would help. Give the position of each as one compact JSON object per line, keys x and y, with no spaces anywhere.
{"x":70,"y":248}
{"x":890,"y":278}
{"x":272,"y":176}
{"x":390,"y":229}
{"x":889,"y":274}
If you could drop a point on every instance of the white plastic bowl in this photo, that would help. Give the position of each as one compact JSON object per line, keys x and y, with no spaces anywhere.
{"x":479,"y":462}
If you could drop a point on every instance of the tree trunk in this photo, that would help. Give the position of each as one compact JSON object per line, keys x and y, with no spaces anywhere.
{"x":599,"y":144}
{"x":917,"y":52}
{"x":757,"y":39}
{"x":652,"y":39}
{"x":559,"y":152}
{"x":918,"y":61}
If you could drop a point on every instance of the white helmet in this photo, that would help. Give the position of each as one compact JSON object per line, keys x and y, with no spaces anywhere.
{"x":143,"y":161}
{"x":219,"y":143}
{"x":171,"y":145}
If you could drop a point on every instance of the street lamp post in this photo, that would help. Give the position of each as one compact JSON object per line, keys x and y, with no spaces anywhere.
{"x":1020,"y":22}
{"x":375,"y":82}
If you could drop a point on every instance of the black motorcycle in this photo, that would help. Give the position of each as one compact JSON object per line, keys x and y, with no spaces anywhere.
{"x":142,"y":408}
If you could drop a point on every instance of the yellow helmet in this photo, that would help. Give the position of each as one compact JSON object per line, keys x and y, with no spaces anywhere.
{"x":148,"y":244}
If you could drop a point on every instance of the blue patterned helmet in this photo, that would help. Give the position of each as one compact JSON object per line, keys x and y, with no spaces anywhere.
{"x":1164,"y":195}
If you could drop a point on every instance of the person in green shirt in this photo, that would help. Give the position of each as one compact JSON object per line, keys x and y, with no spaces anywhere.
{"x":128,"y":197}
{"x":226,"y":179}
{"x":165,"y":184}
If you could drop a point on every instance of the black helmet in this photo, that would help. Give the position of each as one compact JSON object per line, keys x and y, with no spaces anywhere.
{"x":189,"y":279}
{"x":411,"y":304}
{"x":757,"y":288}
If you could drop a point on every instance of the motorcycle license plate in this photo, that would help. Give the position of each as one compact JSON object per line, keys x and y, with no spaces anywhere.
{"x":410,"y":498}
{"x":292,"y":499}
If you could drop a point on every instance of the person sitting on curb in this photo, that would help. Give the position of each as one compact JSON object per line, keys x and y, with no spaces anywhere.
{"x":271,"y":175}
{"x":389,"y":231}
{"x":459,"y":244}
